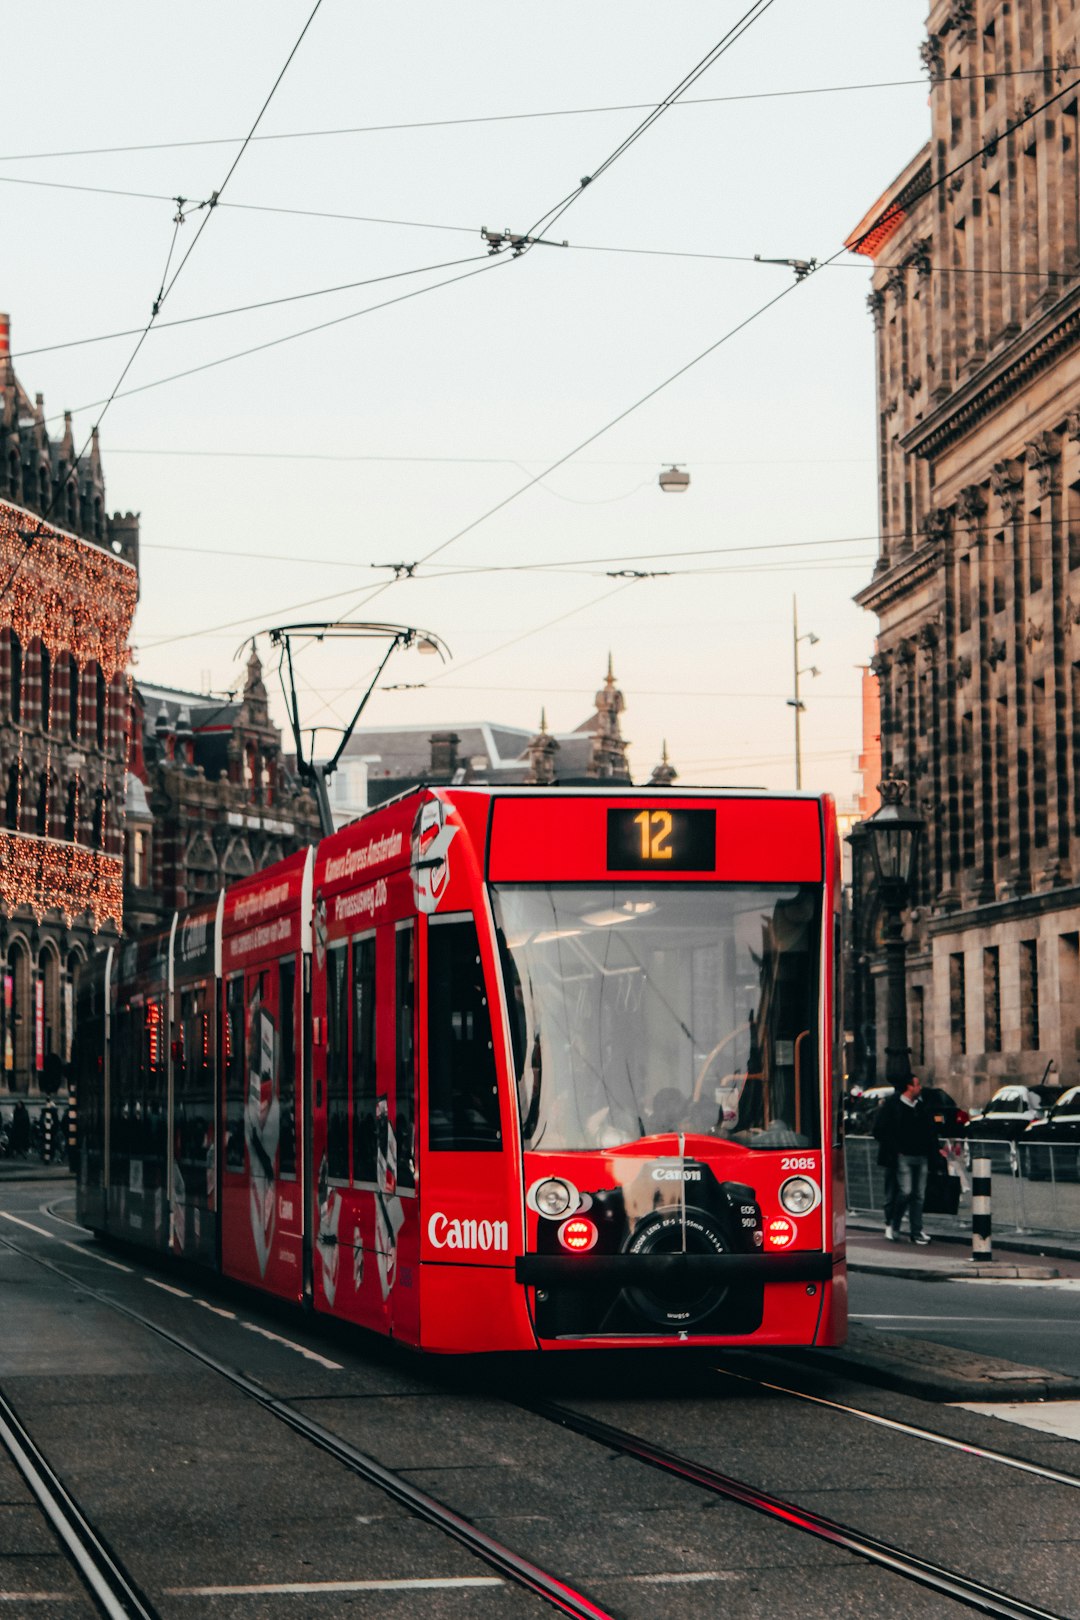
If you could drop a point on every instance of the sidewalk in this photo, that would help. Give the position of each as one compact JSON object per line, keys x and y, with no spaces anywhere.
{"x":949,"y":1253}
{"x":34,"y":1170}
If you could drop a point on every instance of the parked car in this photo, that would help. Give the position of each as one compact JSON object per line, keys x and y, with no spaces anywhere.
{"x":1050,"y":1148}
{"x":949,"y":1117}
{"x":1006,"y":1117}
{"x":861,"y":1106}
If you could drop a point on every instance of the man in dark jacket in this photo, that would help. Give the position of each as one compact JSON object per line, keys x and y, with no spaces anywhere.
{"x":907,"y":1142}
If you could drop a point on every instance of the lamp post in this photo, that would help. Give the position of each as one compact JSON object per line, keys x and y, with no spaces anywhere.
{"x":796,"y":702}
{"x":894,"y":831}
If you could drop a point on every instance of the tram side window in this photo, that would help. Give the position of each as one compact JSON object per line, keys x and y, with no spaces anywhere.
{"x":194,"y":1103}
{"x":121,"y":1095}
{"x":235,"y":1047}
{"x":405,"y":1117}
{"x":364,"y":1133}
{"x":154,"y":1134}
{"x":337,"y":1064}
{"x":287,"y":1017}
{"x":463,"y":1097}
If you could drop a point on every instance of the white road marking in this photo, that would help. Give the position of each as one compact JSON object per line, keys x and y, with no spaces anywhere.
{"x":35,"y":1597}
{"x":167,"y":1288}
{"x":1067,"y":1285}
{"x":301,"y":1349}
{"x":78,"y":1247}
{"x":299,"y":1588}
{"x":1051,"y":1417}
{"x":987,"y":1321}
{"x":91,"y":1254}
{"x":680,"y":1578}
{"x":218,"y":1310}
{"x":40,"y":1230}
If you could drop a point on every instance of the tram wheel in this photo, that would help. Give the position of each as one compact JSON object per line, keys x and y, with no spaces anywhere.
{"x":678,"y":1303}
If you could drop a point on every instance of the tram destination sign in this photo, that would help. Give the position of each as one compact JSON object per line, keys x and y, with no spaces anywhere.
{"x":661,"y":840}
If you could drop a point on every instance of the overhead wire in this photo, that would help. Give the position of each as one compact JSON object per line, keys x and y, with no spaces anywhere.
{"x":166,"y":287}
{"x":519,"y":117}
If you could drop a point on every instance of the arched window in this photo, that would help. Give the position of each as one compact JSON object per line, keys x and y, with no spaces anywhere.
{"x":99,"y":519}
{"x":97,"y":830}
{"x":11,"y":800}
{"x":41,"y":815}
{"x":72,"y":504}
{"x":14,"y":481}
{"x":16,"y":678}
{"x":46,"y":688}
{"x":101,"y":714}
{"x":71,"y":830}
{"x":73,"y":697}
{"x":22,"y":1017}
{"x":44,"y":489}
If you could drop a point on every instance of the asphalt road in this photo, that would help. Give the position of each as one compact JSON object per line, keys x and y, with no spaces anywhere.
{"x":1034,"y":1323}
{"x":198,"y":1489}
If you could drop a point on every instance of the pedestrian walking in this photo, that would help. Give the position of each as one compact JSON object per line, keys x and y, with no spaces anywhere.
{"x":20,"y":1130}
{"x":907,"y":1144}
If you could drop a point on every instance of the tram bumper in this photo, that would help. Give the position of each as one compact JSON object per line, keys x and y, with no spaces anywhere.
{"x":625,"y":1270}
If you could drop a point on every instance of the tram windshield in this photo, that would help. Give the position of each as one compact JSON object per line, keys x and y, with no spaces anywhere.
{"x":640,"y":1009}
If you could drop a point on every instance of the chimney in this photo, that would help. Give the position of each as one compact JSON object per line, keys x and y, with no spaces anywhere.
{"x":444,"y":760}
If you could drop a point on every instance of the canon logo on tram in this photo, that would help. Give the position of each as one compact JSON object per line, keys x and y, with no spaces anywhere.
{"x":444,"y":1233}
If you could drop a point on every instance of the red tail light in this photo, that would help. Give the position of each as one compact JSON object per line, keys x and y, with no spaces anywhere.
{"x":963,"y":1117}
{"x":577,"y":1234}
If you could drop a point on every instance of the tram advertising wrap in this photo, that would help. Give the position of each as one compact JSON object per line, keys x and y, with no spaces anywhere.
{"x":493,"y":1070}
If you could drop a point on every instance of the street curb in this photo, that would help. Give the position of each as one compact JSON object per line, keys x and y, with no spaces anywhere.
{"x":935,"y":1372}
{"x":1057,"y":1247}
{"x":991,"y":1268}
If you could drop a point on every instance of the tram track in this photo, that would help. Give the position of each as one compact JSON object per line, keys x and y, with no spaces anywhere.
{"x":946,"y":1583}
{"x":111,"y":1589}
{"x":512,"y":1566}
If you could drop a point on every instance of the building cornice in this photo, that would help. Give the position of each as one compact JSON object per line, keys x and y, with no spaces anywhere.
{"x":1033,"y":351}
{"x":1002,"y":911}
{"x":900,"y":579}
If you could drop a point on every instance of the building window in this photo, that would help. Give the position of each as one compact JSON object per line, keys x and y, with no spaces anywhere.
{"x":963,"y":590}
{"x":957,"y":1005}
{"x":14,"y":480}
{"x":11,"y":800}
{"x":15,"y":646}
{"x":1029,"y":995}
{"x":102,"y":711}
{"x":41,"y":823}
{"x":1035,"y":550}
{"x":1069,"y":1002}
{"x":918,"y":1025}
{"x":991,"y":999}
{"x":46,"y":689}
{"x":73,"y":698}
{"x":1038,"y":763}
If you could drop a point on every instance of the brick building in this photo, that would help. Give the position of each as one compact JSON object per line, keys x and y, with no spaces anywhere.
{"x":211,"y":797}
{"x":976,"y":306}
{"x":68,"y":587}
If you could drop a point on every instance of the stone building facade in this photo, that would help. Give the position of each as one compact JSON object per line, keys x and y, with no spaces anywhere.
{"x":976,"y":306}
{"x":211,"y":797}
{"x":68,"y":588}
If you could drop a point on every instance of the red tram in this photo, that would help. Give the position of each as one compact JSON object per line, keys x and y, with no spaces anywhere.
{"x":495,"y":1070}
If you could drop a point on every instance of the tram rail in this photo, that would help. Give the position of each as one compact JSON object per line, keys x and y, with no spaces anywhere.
{"x":947,"y":1583}
{"x":112,"y":1591}
{"x":511,"y":1565}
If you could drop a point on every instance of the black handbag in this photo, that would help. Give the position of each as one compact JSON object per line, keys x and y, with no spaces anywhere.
{"x":942,"y":1194}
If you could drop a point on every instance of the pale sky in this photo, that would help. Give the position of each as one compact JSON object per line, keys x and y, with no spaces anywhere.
{"x":378,"y":440}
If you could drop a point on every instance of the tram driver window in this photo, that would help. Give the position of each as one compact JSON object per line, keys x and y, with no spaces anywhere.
{"x":235,"y":1090}
{"x":337,"y":1064}
{"x":463,"y":1098}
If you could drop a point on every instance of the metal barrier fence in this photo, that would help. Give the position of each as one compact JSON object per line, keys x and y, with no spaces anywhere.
{"x":1036,"y":1186}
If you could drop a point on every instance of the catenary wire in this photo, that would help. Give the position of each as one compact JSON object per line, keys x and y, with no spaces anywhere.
{"x":244,"y":309}
{"x":723,"y":45}
{"x":165,"y":289}
{"x":289,"y":337}
{"x":710,"y":349}
{"x":556,"y":112}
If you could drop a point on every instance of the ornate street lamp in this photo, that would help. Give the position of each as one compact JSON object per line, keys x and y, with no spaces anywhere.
{"x":894,"y":831}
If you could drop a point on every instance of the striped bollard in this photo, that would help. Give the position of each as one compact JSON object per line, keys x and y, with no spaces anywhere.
{"x":980,"y":1210}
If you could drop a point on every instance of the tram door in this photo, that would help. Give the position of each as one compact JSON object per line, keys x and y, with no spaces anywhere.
{"x":398,"y":1157}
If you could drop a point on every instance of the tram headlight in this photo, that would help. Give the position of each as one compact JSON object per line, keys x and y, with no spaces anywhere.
{"x":799,"y":1195}
{"x":554,"y":1197}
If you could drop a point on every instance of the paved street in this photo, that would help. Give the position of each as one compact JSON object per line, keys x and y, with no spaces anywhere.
{"x":147,"y":1439}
